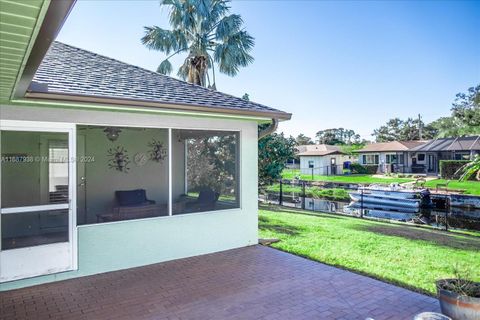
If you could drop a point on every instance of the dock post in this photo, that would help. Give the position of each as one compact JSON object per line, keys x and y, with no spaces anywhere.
{"x":361,"y":203}
{"x":303,"y":195}
{"x":280,"y":197}
{"x":447,"y":210}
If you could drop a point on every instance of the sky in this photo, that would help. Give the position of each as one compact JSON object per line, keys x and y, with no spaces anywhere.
{"x":331,"y":64}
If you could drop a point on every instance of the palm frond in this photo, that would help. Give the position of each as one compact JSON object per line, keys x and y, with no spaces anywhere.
{"x":228,"y":26}
{"x":470,"y":169}
{"x":165,"y":67}
{"x":184,"y":69}
{"x":156,"y":38}
{"x":233,"y":54}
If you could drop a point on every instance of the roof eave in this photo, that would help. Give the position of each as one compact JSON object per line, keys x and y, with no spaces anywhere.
{"x":55,"y":16}
{"x":88,"y":99}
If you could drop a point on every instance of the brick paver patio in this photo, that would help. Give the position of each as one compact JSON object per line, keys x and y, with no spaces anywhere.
{"x":249,"y":283}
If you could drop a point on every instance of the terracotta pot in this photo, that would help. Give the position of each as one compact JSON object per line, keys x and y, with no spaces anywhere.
{"x":456,"y":306}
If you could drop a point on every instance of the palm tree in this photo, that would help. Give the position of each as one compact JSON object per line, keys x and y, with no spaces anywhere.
{"x":207,"y":33}
{"x":470,"y":169}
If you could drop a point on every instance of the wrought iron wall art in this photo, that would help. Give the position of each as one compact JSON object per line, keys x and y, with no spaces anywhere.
{"x":157,"y":151}
{"x":118,"y":159}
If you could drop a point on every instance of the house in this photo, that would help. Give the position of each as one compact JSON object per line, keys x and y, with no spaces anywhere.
{"x":321,"y":159}
{"x":426,"y":157}
{"x":418,"y":156}
{"x":387,"y":156}
{"x":107,"y":166}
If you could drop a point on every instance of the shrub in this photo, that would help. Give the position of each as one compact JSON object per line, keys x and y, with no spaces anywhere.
{"x":448,"y":168}
{"x":363,"y":169}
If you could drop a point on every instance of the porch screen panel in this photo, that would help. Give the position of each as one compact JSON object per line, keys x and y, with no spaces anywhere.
{"x":27,"y":229}
{"x":205,"y":170}
{"x":122,"y":173}
{"x":34,"y":168}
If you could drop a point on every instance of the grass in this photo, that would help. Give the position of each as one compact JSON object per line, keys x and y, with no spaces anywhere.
{"x":470,"y":187}
{"x":354,"y":178}
{"x":407,"y":256}
{"x":313,"y":192}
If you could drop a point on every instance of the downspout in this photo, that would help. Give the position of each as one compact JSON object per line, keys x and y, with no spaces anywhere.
{"x":268,"y":130}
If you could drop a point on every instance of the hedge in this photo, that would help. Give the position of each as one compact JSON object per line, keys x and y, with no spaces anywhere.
{"x":448,"y":168}
{"x":364,"y":169}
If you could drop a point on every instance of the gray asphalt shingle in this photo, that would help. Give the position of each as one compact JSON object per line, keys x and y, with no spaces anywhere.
{"x":74,"y":71}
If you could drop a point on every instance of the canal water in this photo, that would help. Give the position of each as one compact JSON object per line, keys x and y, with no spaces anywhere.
{"x":440,"y":215}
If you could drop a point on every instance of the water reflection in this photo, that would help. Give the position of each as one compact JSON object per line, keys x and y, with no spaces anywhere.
{"x":452,"y":217}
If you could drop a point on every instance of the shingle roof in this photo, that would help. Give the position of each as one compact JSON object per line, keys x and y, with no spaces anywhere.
{"x":68,"y":70}
{"x":451,"y":144}
{"x":391,"y":146}
{"x":318,"y":150}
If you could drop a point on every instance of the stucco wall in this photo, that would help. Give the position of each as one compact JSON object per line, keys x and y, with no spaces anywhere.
{"x":119,"y":245}
{"x":322,"y":163}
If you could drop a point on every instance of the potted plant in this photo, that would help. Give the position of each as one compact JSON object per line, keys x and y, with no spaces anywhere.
{"x":459,"y":298}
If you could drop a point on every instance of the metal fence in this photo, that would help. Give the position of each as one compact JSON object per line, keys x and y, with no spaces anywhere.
{"x":415,"y":206}
{"x":329,"y":170}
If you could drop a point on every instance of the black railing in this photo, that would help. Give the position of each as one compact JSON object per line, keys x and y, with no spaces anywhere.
{"x":416,"y":206}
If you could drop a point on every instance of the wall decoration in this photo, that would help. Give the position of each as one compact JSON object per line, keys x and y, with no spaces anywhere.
{"x":112,"y":133}
{"x":157,"y":151}
{"x":119,"y":159}
{"x":140,"y":159}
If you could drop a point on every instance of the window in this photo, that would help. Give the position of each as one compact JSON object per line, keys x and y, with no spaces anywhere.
{"x":205,"y":170}
{"x":421,"y":157}
{"x":125,"y":172}
{"x":370,"y":159}
{"x":462,"y":156}
{"x":395,"y":158}
{"x":122,"y":173}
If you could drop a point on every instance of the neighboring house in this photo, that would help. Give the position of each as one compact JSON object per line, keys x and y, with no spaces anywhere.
{"x":321,"y":159}
{"x":426,"y":157}
{"x":418,"y":156}
{"x":107,"y":166}
{"x":388,"y":156}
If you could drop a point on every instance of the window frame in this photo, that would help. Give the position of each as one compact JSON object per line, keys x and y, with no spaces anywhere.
{"x":240,"y":132}
{"x":375,"y":156}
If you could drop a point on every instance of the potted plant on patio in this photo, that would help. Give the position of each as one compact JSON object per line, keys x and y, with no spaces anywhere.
{"x":459,"y":297}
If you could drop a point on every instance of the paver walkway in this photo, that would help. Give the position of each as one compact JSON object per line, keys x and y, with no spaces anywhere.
{"x":248,"y":283}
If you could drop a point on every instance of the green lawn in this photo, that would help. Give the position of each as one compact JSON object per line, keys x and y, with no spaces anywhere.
{"x":407,"y":256}
{"x":354,"y":178}
{"x":470,"y":187}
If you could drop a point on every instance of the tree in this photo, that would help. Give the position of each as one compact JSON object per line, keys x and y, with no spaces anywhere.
{"x":273,"y":152}
{"x":212,"y":163}
{"x":207,"y":33}
{"x":302,"y":139}
{"x":464,"y":121}
{"x":403,"y":130}
{"x":466,"y":107}
{"x":246,"y":96}
{"x":471,"y":169}
{"x":337,"y":136}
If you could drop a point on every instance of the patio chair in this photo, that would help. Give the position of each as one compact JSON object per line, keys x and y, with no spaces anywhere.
{"x":134,"y":204}
{"x":206,"y":200}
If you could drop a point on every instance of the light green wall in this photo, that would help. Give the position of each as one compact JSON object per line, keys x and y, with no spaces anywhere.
{"x":126,"y":244}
